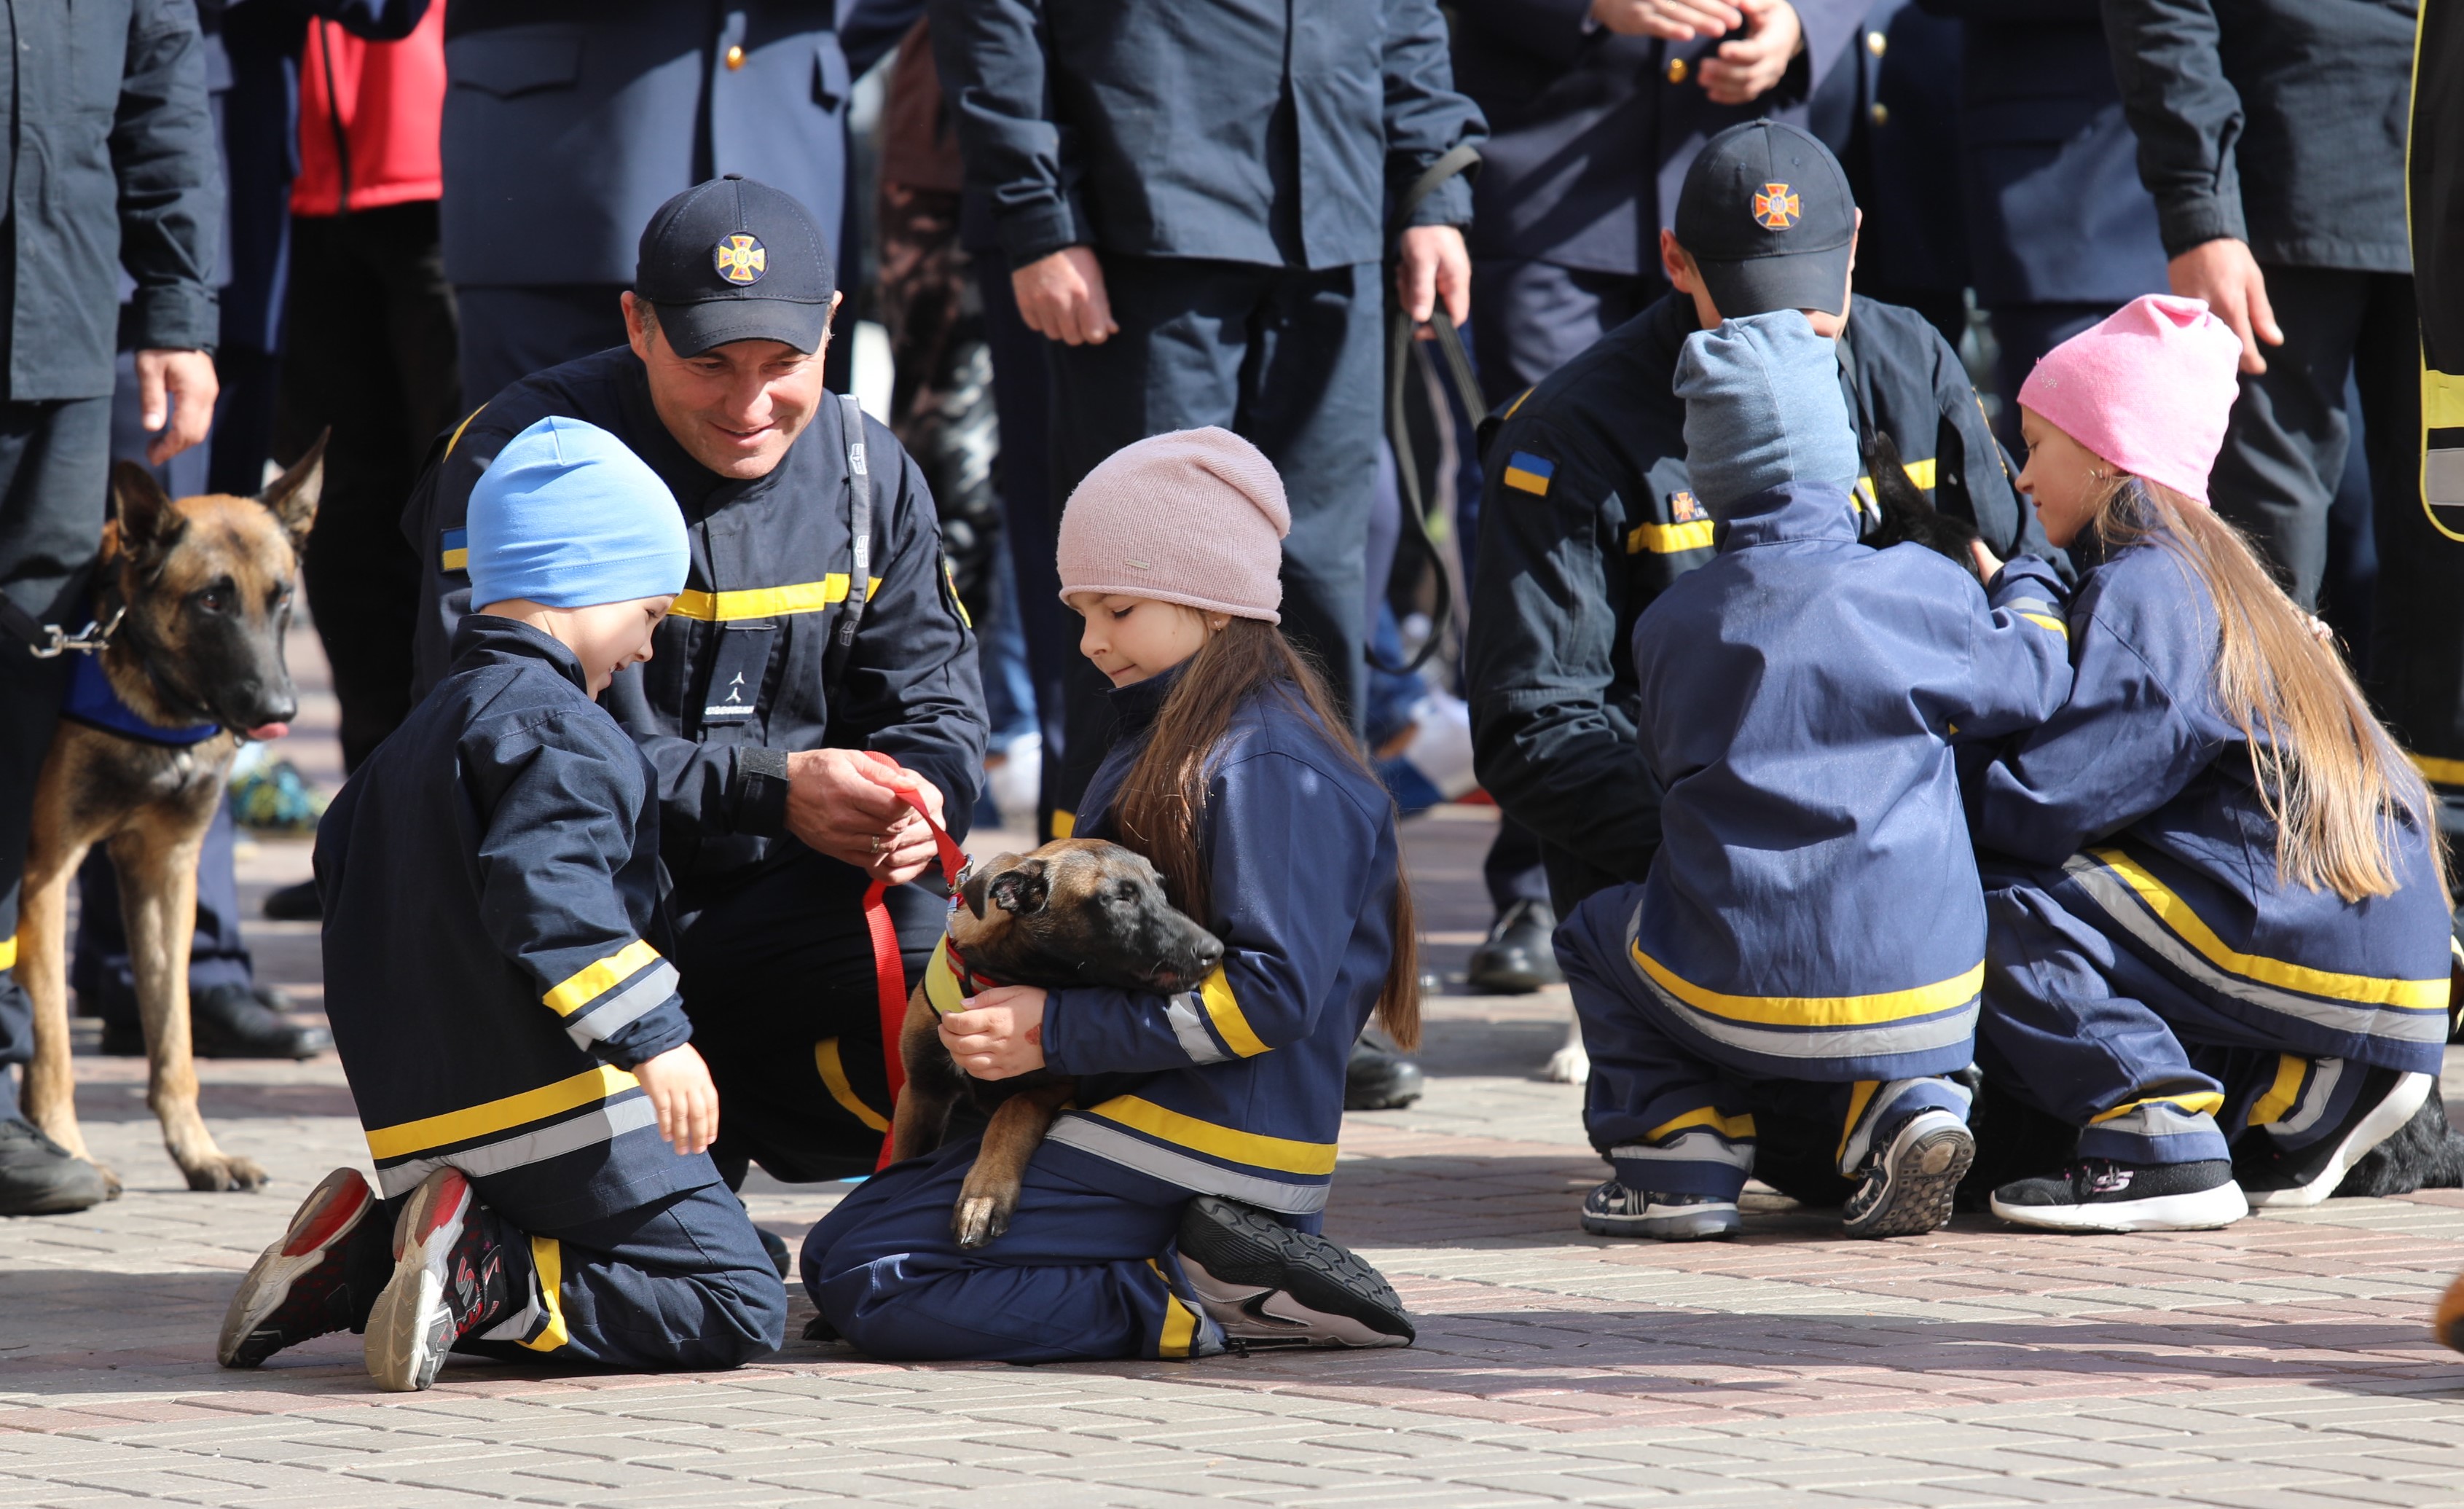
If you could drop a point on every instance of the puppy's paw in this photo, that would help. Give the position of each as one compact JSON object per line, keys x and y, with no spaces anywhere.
{"x":223,"y":1172}
{"x":978,"y":1218}
{"x":1567,"y":1065}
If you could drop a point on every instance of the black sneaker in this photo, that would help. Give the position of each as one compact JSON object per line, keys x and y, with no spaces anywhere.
{"x":1908,"y":1185}
{"x":295,"y":904}
{"x":39,"y":1177}
{"x":299,"y":1287}
{"x":2097,"y":1194}
{"x":455,"y":1273}
{"x":1268,"y":1285}
{"x":1516,"y":959}
{"x":1613,"y":1210}
{"x":2275,"y":1179}
{"x":1379,"y":1080}
{"x":776,"y":1247}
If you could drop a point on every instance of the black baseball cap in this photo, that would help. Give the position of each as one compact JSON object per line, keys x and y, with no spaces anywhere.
{"x":1767,"y":215}
{"x":736,"y":260}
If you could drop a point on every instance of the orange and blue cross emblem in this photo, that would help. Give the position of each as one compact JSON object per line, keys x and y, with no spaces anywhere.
{"x":1775,"y":208}
{"x":742,"y":260}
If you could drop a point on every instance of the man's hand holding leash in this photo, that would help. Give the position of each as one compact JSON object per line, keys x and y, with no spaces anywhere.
{"x":848,"y":805}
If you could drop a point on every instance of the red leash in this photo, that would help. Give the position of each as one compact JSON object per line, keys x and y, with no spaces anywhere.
{"x":889,"y":970}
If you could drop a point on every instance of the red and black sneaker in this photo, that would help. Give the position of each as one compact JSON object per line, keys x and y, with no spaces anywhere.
{"x":300,"y":1286}
{"x":455,"y":1273}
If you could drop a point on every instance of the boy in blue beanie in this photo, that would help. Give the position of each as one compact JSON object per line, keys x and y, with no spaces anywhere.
{"x":1809,"y":940}
{"x":512,"y":1037}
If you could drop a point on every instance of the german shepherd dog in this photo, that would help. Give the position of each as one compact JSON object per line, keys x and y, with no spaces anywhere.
{"x":1075,"y":912}
{"x":198,"y":596}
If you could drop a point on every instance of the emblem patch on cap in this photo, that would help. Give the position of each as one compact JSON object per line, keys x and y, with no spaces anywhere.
{"x":740,"y":260}
{"x":1775,"y":208}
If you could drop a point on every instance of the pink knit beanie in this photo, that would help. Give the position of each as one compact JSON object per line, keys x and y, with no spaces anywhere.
{"x":2149,"y":389}
{"x":1195,"y":517}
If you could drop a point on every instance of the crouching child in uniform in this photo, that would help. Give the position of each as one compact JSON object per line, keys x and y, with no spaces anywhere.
{"x":512,"y":1037}
{"x":2219,"y":940}
{"x":1812,"y":931}
{"x":1174,"y":1211}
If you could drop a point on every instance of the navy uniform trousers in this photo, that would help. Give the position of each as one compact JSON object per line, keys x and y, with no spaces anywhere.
{"x":1082,"y":1274}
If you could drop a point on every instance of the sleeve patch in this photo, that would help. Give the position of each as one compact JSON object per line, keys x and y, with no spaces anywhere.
{"x":453,"y":550}
{"x":1530,"y":473}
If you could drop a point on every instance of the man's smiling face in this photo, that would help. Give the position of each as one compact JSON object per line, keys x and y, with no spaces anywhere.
{"x":735,"y":408}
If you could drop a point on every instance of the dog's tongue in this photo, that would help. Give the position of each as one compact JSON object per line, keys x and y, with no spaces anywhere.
{"x":265,"y":731}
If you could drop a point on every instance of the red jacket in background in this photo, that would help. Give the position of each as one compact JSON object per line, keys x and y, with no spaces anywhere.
{"x":369,"y":119}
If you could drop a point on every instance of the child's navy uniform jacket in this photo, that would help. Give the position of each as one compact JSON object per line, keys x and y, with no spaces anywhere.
{"x":2135,"y":806}
{"x":490,"y":879}
{"x":1241,"y":1092}
{"x":1813,"y":912}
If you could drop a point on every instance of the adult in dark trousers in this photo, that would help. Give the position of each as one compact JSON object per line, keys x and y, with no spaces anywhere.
{"x":1586,"y":512}
{"x":2059,"y":232}
{"x":567,"y":122}
{"x":773,"y":673}
{"x":116,"y":152}
{"x":1595,"y":108}
{"x":1889,"y":111}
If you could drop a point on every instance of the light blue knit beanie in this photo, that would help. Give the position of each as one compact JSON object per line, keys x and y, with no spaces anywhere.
{"x":568,"y":517}
{"x":1762,"y":407}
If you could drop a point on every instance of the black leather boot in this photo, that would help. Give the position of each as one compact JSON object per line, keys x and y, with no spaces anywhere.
{"x":295,"y":904}
{"x":1379,"y":1080}
{"x":1517,"y":958}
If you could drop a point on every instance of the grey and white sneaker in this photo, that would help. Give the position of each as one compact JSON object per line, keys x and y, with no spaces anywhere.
{"x":1908,"y":1185}
{"x":2098,"y":1194}
{"x":299,"y":1287}
{"x":1268,"y":1285}
{"x":1612,"y":1210}
{"x":452,"y":1274}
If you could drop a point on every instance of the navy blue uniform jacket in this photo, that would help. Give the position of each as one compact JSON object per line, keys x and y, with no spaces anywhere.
{"x":762,"y":601}
{"x":2135,"y":802}
{"x":490,"y":879}
{"x":1813,"y":911}
{"x":1242,"y":130}
{"x":1591,"y":133}
{"x":1585,"y":518}
{"x":1239,"y":1087}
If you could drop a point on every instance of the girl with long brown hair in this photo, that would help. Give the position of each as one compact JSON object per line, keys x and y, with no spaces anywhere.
{"x":1174,"y":1208}
{"x":2219,"y":935}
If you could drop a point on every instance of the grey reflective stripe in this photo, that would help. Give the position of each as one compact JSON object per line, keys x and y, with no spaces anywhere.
{"x":2031,"y":604}
{"x":1189,"y":1025}
{"x":1949,"y":1030}
{"x":1860,"y":1138}
{"x":2157,"y":1119}
{"x":2325,"y":1073}
{"x":602,"y":1125}
{"x":1693,"y":1146}
{"x":2114,"y":897}
{"x":859,"y":518}
{"x":613,"y":1014}
{"x":1190,"y":1173}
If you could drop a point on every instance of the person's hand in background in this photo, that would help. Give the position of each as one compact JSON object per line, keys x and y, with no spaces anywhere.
{"x":1435,"y":266}
{"x":2223,"y":273}
{"x":1744,"y":70}
{"x":1061,"y":298}
{"x":1669,"y":20}
{"x":175,"y":398}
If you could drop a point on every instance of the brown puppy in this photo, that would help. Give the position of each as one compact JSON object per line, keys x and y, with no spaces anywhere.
{"x":1075,"y":912}
{"x":198,"y":596}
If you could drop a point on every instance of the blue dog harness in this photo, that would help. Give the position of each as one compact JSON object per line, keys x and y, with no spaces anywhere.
{"x":92,"y":701}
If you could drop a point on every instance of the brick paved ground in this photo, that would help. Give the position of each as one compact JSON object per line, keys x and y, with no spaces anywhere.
{"x":2282,"y":1363}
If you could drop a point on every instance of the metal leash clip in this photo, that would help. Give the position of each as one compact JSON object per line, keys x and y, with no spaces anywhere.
{"x":92,"y":640}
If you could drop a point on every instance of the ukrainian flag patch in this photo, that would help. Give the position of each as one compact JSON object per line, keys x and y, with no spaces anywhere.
{"x":1530,"y":473}
{"x":454,"y":554}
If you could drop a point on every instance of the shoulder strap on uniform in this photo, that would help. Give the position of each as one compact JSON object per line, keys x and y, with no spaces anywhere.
{"x":859,"y":518}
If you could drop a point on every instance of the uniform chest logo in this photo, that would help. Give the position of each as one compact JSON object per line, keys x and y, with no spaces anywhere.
{"x":740,"y":260}
{"x":1775,"y":208}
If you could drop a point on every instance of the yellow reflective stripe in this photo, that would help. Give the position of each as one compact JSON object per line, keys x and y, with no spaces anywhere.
{"x":834,"y":1080}
{"x":2446,"y":772}
{"x":8,"y":952}
{"x":2291,"y":1068}
{"x":588,"y":984}
{"x":1517,"y":404}
{"x":1670,"y":539}
{"x":1254,"y":1148}
{"x":942,"y":991}
{"x":766,"y":602}
{"x":2422,"y":995}
{"x":547,"y":1256}
{"x":2442,"y":400}
{"x":1062,"y":823}
{"x":1735,"y":1128}
{"x":1920,"y":473}
{"x":456,"y":437}
{"x":1216,"y":991}
{"x":2205,"y":1102}
{"x":1858,"y":1100}
{"x":403,"y":1138}
{"x":1180,"y":1321}
{"x":1818,"y":1011}
{"x":2041,"y":621}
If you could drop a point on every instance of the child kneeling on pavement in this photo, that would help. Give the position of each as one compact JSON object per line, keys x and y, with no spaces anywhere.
{"x":2219,"y":930}
{"x":1176,"y":1212}
{"x":1811,"y":932}
{"x":514,"y":1040}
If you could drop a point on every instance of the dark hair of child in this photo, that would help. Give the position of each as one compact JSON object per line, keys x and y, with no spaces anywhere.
{"x":1162,"y":807}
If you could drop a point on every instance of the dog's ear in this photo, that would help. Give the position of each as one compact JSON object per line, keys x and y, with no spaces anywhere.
{"x":293,"y":496}
{"x":142,"y":516}
{"x":1021,"y":890}
{"x":973,"y":892}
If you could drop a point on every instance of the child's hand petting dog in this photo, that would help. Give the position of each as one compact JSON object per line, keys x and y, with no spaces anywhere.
{"x":679,"y":1087}
{"x":1001,"y":1035}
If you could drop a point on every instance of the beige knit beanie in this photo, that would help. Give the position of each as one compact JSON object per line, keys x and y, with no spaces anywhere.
{"x":1195,"y":517}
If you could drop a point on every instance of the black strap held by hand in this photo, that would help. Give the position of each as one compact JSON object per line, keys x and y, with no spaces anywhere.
{"x":1401,"y":333}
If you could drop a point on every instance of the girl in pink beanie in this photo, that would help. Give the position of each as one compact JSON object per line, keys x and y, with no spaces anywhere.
{"x":1177,"y":1213}
{"x":2218,"y":937}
